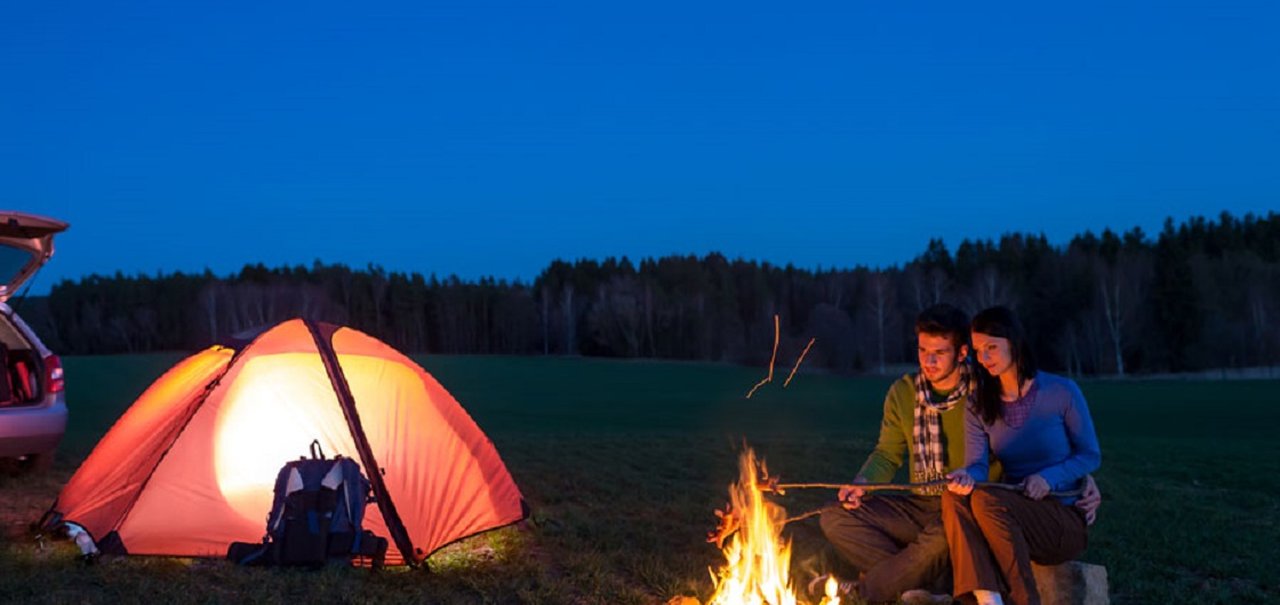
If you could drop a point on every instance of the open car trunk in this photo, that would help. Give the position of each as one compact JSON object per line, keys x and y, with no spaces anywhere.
{"x":21,"y":369}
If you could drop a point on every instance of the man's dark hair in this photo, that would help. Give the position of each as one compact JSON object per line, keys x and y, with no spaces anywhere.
{"x":1001,"y":322}
{"x":944,"y":320}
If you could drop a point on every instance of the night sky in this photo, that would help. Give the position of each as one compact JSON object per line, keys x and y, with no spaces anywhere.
{"x":483,"y":138}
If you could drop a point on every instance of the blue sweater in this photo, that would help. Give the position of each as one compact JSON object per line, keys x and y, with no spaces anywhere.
{"x":1056,"y":441}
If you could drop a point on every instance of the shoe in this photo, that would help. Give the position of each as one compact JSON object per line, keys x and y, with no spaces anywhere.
{"x":920,"y":596}
{"x":818,"y":586}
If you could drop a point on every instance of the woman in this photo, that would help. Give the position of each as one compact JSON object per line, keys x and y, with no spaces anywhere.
{"x":1038,"y":426}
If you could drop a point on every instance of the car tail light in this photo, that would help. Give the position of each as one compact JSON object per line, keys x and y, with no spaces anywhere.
{"x":53,"y":374}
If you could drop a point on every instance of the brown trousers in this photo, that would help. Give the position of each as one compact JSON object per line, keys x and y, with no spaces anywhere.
{"x":994,"y":534}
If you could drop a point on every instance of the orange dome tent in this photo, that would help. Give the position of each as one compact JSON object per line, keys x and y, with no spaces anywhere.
{"x":189,"y":468}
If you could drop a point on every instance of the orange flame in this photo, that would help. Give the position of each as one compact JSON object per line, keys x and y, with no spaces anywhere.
{"x":833,"y":590}
{"x":757,"y":569}
{"x":757,"y":565}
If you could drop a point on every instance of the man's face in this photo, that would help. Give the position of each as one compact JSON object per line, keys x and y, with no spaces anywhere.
{"x":939,"y":357}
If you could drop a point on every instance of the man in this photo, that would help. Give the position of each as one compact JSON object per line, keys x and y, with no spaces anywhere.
{"x":897,"y":542}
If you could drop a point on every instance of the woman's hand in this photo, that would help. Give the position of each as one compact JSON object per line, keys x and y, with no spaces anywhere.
{"x":961,"y":483}
{"x":1035,"y":487}
{"x":1090,"y":500}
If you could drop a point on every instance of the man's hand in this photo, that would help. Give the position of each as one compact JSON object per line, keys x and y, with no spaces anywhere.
{"x":1090,"y":500}
{"x":961,"y":483}
{"x":1035,"y":487}
{"x":850,"y":496}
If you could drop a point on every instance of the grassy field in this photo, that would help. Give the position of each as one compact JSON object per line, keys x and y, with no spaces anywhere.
{"x":623,"y":463}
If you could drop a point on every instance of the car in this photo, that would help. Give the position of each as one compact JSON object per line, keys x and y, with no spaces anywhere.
{"x":33,"y":407}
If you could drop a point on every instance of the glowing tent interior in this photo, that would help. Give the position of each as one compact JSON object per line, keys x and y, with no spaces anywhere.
{"x":189,"y":468}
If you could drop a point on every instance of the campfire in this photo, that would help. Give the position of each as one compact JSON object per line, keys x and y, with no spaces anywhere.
{"x":757,"y":568}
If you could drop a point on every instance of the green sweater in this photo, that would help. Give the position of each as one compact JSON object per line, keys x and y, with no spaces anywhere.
{"x":897,"y":440}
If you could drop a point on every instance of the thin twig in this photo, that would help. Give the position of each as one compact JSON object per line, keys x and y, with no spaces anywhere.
{"x":812,"y":513}
{"x":767,"y":379}
{"x":797,"y":366}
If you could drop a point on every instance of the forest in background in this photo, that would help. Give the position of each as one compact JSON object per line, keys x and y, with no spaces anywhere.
{"x":1204,"y":293}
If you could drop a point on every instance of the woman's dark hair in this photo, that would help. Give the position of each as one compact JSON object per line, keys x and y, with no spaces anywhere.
{"x":1001,"y":322}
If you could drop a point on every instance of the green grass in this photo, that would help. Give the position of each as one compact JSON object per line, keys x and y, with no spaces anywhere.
{"x":624,"y":461}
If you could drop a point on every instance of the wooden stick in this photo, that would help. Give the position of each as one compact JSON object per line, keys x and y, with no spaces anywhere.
{"x":781,"y":488}
{"x":812,"y":513}
{"x":797,"y":366}
{"x":777,"y":332}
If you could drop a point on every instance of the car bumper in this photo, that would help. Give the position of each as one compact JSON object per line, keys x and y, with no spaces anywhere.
{"x":32,"y":430}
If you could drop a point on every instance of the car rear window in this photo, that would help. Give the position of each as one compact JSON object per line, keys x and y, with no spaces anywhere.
{"x":10,"y":336}
{"x":12,"y":260}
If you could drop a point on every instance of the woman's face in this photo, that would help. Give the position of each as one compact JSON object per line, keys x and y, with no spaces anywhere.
{"x":993,"y":353}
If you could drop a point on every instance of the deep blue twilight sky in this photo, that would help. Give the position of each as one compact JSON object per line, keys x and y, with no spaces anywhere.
{"x":486,"y":138}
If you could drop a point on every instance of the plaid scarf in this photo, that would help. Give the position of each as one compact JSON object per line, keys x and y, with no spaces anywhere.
{"x":930,"y":457}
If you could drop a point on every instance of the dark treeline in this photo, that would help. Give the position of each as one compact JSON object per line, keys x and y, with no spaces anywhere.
{"x":1202,"y":294}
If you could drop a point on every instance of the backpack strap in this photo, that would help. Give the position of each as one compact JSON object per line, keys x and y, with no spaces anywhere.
{"x":333,"y":478}
{"x":344,"y":478}
{"x":316,"y":452}
{"x":293,"y":484}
